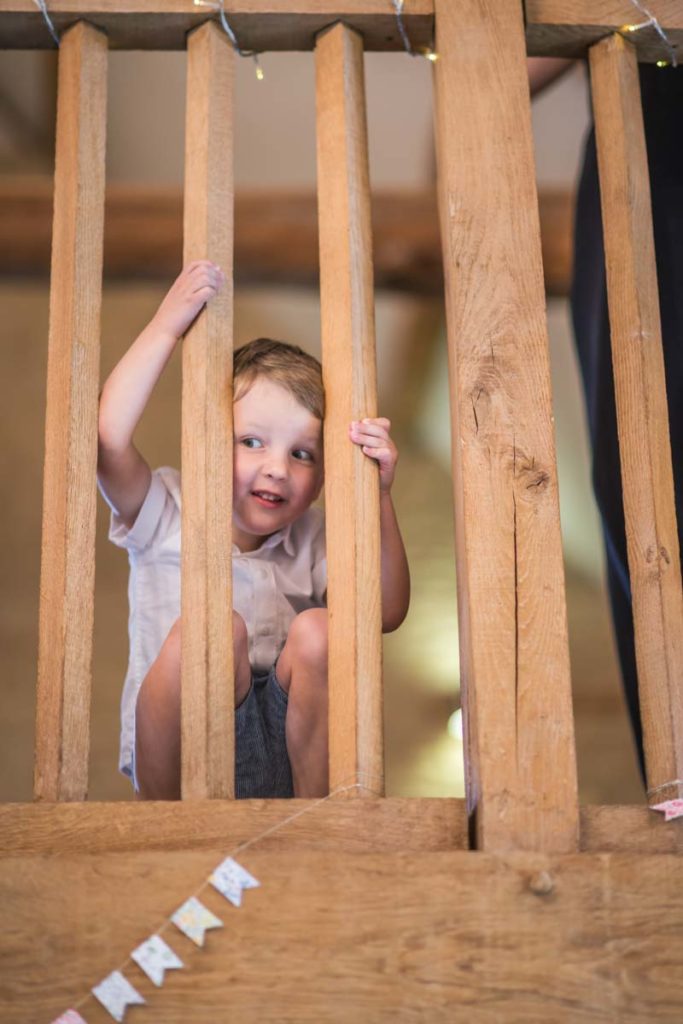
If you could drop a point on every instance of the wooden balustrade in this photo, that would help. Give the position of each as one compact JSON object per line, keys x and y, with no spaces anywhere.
{"x":206,"y":590}
{"x":348,"y":350}
{"x":67,"y":576}
{"x":642,"y":411}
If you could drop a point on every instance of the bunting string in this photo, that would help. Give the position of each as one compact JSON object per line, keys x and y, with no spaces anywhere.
{"x":154,"y":956}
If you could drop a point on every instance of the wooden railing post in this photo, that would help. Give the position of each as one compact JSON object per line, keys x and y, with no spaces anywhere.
{"x":520,"y":758}
{"x":640,"y":392}
{"x":348,"y":346}
{"x":67,"y":577}
{"x":206,"y":594}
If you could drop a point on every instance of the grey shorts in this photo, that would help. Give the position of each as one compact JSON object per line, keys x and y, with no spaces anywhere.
{"x":262,"y":766}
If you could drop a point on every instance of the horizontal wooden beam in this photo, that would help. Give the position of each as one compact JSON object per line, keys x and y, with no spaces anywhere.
{"x":553,"y":27}
{"x":393,"y":824}
{"x":276,"y":235}
{"x":332,"y":935}
{"x":567,"y":28}
{"x":258,"y":24}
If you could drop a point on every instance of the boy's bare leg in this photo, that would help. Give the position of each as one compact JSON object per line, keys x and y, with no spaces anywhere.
{"x":157,"y":714}
{"x":302,"y":672}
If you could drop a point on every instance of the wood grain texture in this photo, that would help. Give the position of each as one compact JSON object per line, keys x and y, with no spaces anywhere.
{"x":385,"y":825}
{"x":520,"y":761}
{"x":206,"y":591}
{"x":276,"y":235}
{"x":349,"y":374}
{"x":258,"y":24}
{"x":439,"y":937}
{"x":642,"y":412}
{"x":67,"y":576}
{"x":381,"y":825}
{"x":567,"y":28}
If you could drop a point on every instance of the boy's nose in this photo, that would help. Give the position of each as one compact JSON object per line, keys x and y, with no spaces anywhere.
{"x":275,"y":469}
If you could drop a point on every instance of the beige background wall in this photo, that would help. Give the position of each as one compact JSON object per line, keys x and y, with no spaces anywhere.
{"x":275,"y":147}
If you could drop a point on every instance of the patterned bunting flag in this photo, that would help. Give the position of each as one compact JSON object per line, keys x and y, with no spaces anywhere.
{"x":193,"y":919}
{"x":670,"y":809}
{"x":230,"y":878}
{"x":116,"y":993}
{"x":70,"y":1017}
{"x":155,"y":957}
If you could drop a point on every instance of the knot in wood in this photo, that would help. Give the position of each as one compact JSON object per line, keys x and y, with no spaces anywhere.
{"x":541,"y":883}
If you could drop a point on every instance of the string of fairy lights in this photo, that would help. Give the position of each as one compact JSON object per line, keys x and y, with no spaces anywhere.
{"x":652,"y":22}
{"x":218,"y":6}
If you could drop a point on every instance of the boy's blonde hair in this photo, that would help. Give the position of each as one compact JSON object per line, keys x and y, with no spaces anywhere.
{"x":287,"y":365}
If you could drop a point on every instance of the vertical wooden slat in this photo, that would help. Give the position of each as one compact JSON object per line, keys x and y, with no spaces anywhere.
{"x":520,"y":764}
{"x":69,"y":489}
{"x":206,"y":593}
{"x":640,"y":390}
{"x":348,"y":346}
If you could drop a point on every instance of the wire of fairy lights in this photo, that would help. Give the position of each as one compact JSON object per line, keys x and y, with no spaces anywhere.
{"x":427,"y":52}
{"x":218,"y":5}
{"x":652,"y":22}
{"x":42,"y":7}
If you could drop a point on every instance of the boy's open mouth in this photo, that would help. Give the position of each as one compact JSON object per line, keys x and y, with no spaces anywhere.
{"x":267,"y":498}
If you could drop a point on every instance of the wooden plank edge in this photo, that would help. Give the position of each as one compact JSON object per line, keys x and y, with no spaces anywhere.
{"x":374,"y":825}
{"x":260,"y":26}
{"x":559,"y":29}
{"x":353,"y":825}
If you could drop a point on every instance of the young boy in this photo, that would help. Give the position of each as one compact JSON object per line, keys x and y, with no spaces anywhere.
{"x":279,"y":567}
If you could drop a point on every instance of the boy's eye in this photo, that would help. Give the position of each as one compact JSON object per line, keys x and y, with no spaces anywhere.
{"x":302,"y":455}
{"x":251,"y":442}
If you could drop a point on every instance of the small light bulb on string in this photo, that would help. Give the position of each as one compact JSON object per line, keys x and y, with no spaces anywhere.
{"x":653,"y":23}
{"x":425,"y":51}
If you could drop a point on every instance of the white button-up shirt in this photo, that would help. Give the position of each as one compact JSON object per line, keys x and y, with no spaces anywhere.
{"x":271,"y":585}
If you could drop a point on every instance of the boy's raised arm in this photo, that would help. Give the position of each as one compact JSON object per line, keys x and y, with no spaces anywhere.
{"x":122,"y":472}
{"x":373,"y":437}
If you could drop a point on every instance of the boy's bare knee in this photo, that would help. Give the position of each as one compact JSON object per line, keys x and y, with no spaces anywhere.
{"x":308,"y":637}
{"x":240,"y":638}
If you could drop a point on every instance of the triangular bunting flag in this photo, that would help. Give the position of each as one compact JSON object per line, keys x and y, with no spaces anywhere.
{"x":155,"y":957}
{"x":670,"y":809}
{"x":116,"y":993}
{"x":230,"y":878}
{"x":193,"y":919}
{"x":70,"y":1017}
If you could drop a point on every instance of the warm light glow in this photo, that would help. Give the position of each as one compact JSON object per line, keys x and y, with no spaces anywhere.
{"x":455,"y":725}
{"x":259,"y":73}
{"x":662,"y":63}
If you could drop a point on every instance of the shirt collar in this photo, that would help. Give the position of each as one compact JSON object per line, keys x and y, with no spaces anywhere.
{"x":283,"y":536}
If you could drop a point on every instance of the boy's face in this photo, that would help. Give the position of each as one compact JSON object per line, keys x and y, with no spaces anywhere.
{"x":278,"y":462}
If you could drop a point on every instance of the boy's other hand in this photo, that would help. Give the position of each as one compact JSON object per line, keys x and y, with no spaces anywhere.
{"x":372,"y":435}
{"x":195,"y":285}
